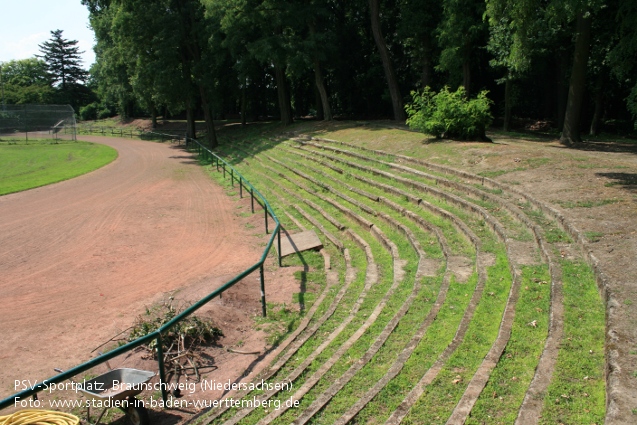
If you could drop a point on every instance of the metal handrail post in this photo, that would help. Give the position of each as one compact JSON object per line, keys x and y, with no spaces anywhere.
{"x":263,"y":307}
{"x":265,"y":208}
{"x":279,"y":242}
{"x":252,"y":199}
{"x":162,"y":371}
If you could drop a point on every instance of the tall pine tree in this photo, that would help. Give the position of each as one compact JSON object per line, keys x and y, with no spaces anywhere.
{"x":63,"y":60}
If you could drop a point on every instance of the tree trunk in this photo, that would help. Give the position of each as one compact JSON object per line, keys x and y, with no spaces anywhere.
{"x":507,"y":103}
{"x":244,"y":100}
{"x":283,"y":95}
{"x":599,"y":105}
{"x":572,"y":117}
{"x":325,"y":110}
{"x":190,"y":122}
{"x":211,"y":134}
{"x":319,"y":105}
{"x":320,"y":85}
{"x":562,"y":90}
{"x":153,"y":115}
{"x":390,"y":74}
{"x":128,"y":110}
{"x":466,"y":76}
{"x":299,"y":109}
{"x":426,"y":62}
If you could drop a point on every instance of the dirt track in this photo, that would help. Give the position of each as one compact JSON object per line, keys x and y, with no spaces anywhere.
{"x":80,"y":259}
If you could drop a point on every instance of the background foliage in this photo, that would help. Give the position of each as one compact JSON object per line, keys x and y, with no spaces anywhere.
{"x":326,"y":59}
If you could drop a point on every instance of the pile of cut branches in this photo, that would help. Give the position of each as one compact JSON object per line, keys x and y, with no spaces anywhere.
{"x":182,"y":345}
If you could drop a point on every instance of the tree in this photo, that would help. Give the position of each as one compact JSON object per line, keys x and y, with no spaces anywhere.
{"x":623,"y":56}
{"x":460,"y":32}
{"x":417,"y":27}
{"x":62,"y":58}
{"x":516,"y":27}
{"x":512,"y":43}
{"x":156,"y":54}
{"x":110,"y":72}
{"x":390,"y":73}
{"x":295,"y":57}
{"x":259,"y":31}
{"x":604,"y":36}
{"x":572,"y":118}
{"x":25,"y":81}
{"x":63,"y":63}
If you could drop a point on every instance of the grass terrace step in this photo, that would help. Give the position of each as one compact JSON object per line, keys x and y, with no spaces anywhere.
{"x":386,"y":347}
{"x":551,"y":226}
{"x":337,"y":386}
{"x":349,"y":274}
{"x":542,"y":371}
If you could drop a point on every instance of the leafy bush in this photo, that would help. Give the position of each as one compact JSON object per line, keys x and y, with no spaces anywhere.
{"x":89,"y":112}
{"x":96,"y":110}
{"x":449,"y":114}
{"x":105,"y":112}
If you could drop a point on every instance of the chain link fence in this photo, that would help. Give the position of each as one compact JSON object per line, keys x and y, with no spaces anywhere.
{"x":49,"y":121}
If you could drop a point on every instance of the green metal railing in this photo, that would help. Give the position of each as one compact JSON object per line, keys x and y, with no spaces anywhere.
{"x":128,"y":132}
{"x":206,"y":154}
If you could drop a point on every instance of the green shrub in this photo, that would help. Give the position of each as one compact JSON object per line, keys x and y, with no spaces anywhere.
{"x":449,"y":114}
{"x":89,"y":112}
{"x":96,"y":110}
{"x":104,"y":112}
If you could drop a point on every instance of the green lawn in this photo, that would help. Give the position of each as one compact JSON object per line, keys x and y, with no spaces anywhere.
{"x":43,"y":162}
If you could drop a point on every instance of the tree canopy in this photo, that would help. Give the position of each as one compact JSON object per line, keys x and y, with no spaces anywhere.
{"x":25,"y":81}
{"x":569,"y":63}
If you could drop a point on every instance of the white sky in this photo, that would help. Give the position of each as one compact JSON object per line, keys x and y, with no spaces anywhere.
{"x":26,"y":23}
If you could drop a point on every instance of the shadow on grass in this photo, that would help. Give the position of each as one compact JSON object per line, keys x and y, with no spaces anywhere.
{"x":626,"y":181}
{"x":606,"y":146}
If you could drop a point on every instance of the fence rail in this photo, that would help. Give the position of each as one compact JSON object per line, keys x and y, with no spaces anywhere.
{"x":206,"y":154}
{"x":129,"y":132}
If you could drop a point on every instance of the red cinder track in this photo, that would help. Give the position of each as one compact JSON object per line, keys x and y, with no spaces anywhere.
{"x":80,"y":259}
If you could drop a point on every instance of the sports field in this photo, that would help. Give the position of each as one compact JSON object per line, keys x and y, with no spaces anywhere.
{"x":41,"y":162}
